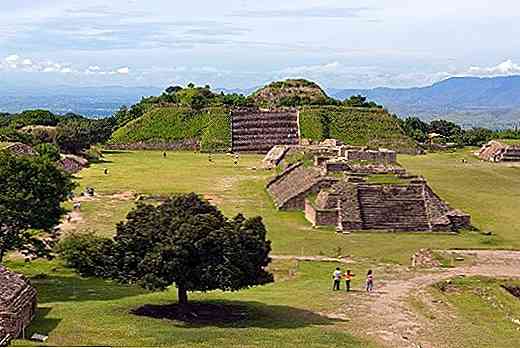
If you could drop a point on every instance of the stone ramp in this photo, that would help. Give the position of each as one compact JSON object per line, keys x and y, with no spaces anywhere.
{"x":257,"y":131}
{"x":290,"y":188}
{"x":275,"y":156}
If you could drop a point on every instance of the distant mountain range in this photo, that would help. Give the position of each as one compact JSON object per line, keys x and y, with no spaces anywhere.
{"x":471,"y":101}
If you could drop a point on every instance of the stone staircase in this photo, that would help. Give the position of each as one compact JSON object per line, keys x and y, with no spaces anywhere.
{"x":255,"y":130}
{"x":393,"y":208}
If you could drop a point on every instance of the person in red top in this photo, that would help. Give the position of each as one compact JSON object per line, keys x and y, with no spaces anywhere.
{"x":370,"y":281}
{"x":348,"y":279}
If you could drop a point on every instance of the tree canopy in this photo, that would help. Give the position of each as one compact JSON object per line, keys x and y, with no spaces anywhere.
{"x":184,"y":241}
{"x":31,"y":192}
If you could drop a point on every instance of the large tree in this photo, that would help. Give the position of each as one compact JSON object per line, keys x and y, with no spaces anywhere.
{"x":31,"y":192}
{"x":187,"y":241}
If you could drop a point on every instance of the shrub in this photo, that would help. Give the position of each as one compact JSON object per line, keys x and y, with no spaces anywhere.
{"x":48,"y":151}
{"x":87,"y":253}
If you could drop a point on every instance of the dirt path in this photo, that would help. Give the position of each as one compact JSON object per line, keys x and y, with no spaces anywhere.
{"x":386,"y":314}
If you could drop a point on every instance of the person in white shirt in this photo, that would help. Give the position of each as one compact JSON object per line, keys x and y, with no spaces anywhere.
{"x":337,"y":279}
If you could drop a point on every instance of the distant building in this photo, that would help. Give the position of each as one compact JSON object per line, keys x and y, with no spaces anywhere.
{"x":496,"y":151}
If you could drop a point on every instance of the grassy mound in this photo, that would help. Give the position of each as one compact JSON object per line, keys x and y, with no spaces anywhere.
{"x":291,"y":93}
{"x":210,"y":127}
{"x":355,"y":126}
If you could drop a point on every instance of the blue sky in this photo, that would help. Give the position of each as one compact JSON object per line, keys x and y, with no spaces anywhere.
{"x":243,"y":43}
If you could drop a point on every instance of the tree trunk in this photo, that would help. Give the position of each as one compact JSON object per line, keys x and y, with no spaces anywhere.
{"x":183,"y":296}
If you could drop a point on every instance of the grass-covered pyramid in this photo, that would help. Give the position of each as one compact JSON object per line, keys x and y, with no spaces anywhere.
{"x":183,"y":118}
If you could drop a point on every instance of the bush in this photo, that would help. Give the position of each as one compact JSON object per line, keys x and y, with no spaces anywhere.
{"x":87,"y":253}
{"x":48,"y":151}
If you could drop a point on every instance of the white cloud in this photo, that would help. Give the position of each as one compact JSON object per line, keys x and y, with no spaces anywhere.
{"x":15,"y":63}
{"x":13,"y":58}
{"x":505,"y":68}
{"x":304,"y":69}
{"x":123,"y":71}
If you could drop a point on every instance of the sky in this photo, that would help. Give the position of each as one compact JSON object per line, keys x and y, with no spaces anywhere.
{"x":244,"y":44}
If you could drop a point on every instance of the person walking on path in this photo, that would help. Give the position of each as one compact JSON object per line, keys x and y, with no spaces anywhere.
{"x":336,"y":276}
{"x":370,"y":281}
{"x":348,"y":279}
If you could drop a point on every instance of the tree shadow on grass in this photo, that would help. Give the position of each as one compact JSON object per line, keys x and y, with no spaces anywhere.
{"x":236,"y":314}
{"x":41,"y":324}
{"x":74,"y":288}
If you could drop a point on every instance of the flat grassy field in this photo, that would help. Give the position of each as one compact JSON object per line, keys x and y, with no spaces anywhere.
{"x":292,"y":312}
{"x":92,"y":312}
{"x":489,"y":192}
{"x":484,"y":313}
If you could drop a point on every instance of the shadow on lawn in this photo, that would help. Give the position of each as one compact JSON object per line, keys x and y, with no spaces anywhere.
{"x":41,"y":324}
{"x":62,"y":289}
{"x":236,"y":314}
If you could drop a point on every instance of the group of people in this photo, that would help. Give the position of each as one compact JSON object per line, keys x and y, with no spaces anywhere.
{"x":338,"y":276}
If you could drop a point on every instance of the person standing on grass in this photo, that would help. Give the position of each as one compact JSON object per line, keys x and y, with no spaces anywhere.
{"x":337,"y":279}
{"x":348,"y":279}
{"x":370,"y":281}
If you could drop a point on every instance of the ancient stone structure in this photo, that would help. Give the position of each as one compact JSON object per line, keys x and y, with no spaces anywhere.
{"x":17,"y":304}
{"x":495,"y":151}
{"x":336,"y":156}
{"x":290,"y":188}
{"x":359,"y":189}
{"x":381,"y":156}
{"x":18,"y":149}
{"x":258,"y":130}
{"x":390,"y":207}
{"x":73,"y":164}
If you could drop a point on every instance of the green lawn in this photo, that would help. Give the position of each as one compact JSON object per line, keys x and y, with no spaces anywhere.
{"x":484,"y":314}
{"x":241,"y":189}
{"x":77,"y":311}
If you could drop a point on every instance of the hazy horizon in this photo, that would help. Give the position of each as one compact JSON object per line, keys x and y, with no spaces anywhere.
{"x":243,"y":44}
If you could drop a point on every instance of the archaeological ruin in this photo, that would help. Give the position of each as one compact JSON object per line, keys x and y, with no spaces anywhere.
{"x":258,"y":130}
{"x":361,"y":189}
{"x":17,"y":149}
{"x":496,"y":151}
{"x":17,"y":305}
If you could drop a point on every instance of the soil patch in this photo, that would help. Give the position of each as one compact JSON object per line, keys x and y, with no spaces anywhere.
{"x":196,"y":313}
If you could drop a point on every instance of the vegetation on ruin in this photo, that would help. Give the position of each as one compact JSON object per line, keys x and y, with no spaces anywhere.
{"x":372,"y":127}
{"x":190,"y":97}
{"x":210,"y":127}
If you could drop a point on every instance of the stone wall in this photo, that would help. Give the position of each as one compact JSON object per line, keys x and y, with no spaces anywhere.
{"x":17,"y":303}
{"x":256,"y":130}
{"x":376,"y":156}
{"x":320,"y":217}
